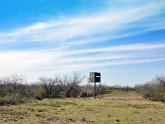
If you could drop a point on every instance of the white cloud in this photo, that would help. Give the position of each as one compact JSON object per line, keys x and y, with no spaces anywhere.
{"x":65,"y":34}
{"x":64,"y":30}
{"x":34,"y":61}
{"x":117,"y":48}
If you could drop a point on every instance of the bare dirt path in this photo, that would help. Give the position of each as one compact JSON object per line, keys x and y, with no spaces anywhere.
{"x":124,"y":99}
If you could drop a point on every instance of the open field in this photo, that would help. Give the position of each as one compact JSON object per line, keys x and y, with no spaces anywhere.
{"x":117,"y":107}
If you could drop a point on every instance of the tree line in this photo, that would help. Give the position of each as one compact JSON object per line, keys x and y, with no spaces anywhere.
{"x":15,"y":89}
{"x":154,"y":89}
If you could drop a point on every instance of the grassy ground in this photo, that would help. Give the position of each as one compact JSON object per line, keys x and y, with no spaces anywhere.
{"x":117,"y":107}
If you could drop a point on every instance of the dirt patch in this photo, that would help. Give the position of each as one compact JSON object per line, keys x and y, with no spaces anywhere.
{"x":86,"y":120}
{"x":63,"y":120}
{"x":123,"y":99}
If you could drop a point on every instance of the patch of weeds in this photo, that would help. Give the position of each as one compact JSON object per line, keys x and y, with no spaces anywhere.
{"x":82,"y":104}
{"x":63,"y":109}
{"x":138,"y":106}
{"x":39,"y":115}
{"x":150,"y":119}
{"x":52,"y":118}
{"x":119,"y":106}
{"x":136,"y":112}
{"x":70,"y":103}
{"x":55,"y":104}
{"x":71,"y":120}
{"x":21,"y":117}
{"x":59,"y":104}
{"x":108,"y":115}
{"x":32,"y":110}
{"x":41,"y":110}
{"x":70,"y":112}
{"x":14,"y":113}
{"x":117,"y":120}
{"x":43,"y":122}
{"x":86,"y":120}
{"x":89,"y":109}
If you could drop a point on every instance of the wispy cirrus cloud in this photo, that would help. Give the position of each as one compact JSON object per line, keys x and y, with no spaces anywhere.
{"x":77,"y":59}
{"x":60,"y":44}
{"x":84,"y":28}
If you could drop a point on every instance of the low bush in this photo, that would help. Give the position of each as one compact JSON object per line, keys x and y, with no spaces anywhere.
{"x":14,"y":89}
{"x":39,"y":93}
{"x":153,"y":90}
{"x":13,"y":100}
{"x":6,"y":100}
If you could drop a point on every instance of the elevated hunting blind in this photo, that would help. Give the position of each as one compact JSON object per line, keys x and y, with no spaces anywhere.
{"x":95,"y":77}
{"x":94,"y":85}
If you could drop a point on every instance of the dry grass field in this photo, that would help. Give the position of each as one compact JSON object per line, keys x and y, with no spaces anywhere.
{"x":118,"y":107}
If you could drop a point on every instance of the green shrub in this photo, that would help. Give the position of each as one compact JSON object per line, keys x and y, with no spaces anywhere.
{"x":6,"y":100}
{"x":62,"y":94}
{"x":160,"y":95}
{"x":153,"y":90}
{"x":39,"y":93}
{"x":11,"y":99}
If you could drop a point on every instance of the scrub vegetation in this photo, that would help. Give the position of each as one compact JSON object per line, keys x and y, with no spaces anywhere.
{"x":133,"y":110}
{"x":60,"y":100}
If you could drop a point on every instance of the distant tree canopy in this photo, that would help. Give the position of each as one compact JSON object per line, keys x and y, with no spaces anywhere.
{"x":154,"y":89}
{"x":15,"y":89}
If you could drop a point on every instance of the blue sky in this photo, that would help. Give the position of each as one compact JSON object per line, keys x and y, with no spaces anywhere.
{"x":122,"y":39}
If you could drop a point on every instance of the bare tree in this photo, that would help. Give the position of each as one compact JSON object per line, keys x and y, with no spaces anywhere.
{"x":154,"y":89}
{"x":73,"y":87}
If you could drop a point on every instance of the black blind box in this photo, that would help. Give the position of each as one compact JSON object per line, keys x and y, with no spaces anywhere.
{"x":95,"y":77}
